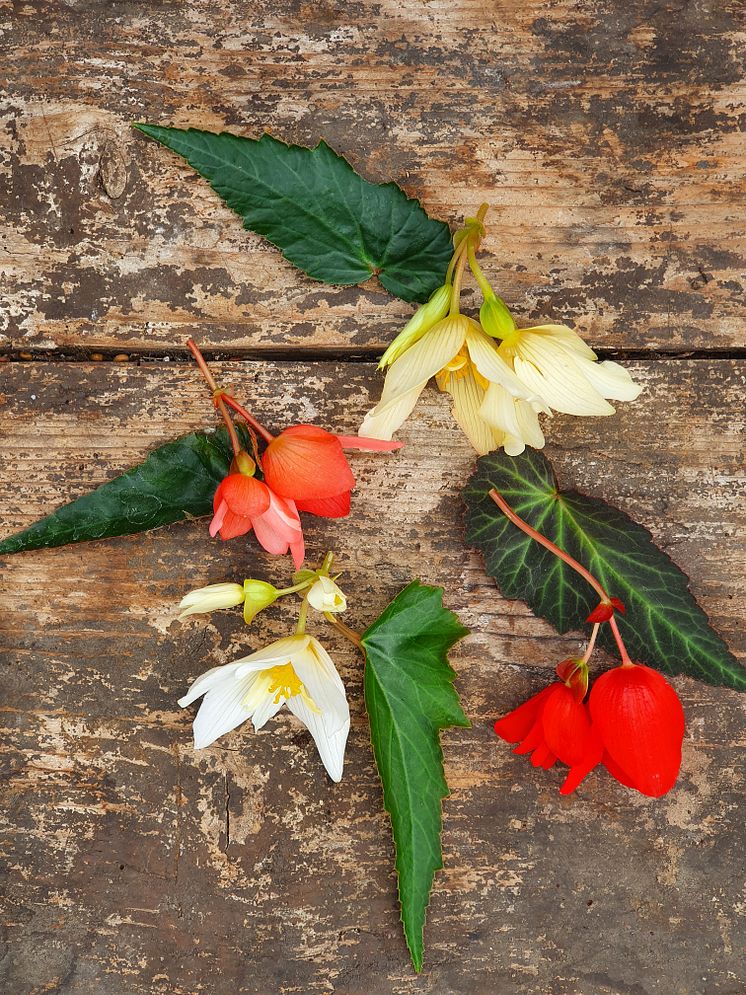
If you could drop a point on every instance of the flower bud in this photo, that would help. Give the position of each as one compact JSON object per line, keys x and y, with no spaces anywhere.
{"x":244,"y":463}
{"x":574,"y":673}
{"x":211,"y":598}
{"x":495,"y":318}
{"x":421,"y":321}
{"x":325,"y":596}
{"x":258,"y":595}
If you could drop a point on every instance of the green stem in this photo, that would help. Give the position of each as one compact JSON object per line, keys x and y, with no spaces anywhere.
{"x":346,"y":631}
{"x":302,"y":616}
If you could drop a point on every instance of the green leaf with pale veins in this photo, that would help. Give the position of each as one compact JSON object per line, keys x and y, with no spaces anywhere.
{"x":410,"y":697}
{"x":325,"y":218}
{"x":664,"y":626}
{"x":175,"y":481}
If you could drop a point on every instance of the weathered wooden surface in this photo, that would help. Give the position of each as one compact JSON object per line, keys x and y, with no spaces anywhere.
{"x":607,"y":139}
{"x":136,"y":865}
{"x":605,"y":136}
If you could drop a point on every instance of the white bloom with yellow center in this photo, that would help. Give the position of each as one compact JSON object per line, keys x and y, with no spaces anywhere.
{"x":296,"y":671}
{"x":555,"y":363}
{"x":466,"y":363}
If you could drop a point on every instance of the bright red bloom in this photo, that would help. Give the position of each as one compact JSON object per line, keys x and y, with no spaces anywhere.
{"x":243,"y":503}
{"x":554,"y":725}
{"x":306,"y":464}
{"x":640,"y":721}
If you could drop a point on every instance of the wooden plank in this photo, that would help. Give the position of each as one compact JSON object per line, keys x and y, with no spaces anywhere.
{"x":606,"y":139}
{"x":134,"y":864}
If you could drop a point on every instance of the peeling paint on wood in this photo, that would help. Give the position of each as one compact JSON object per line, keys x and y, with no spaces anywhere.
{"x":135,"y":864}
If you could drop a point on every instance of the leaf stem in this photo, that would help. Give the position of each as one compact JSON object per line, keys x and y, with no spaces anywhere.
{"x":505,"y":508}
{"x":346,"y":631}
{"x":217,"y":395}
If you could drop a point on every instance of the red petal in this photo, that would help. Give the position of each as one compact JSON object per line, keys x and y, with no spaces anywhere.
{"x":333,"y":507}
{"x":305,"y":462}
{"x":591,"y":758}
{"x":601,"y":613}
{"x":618,"y":605}
{"x":245,"y":496}
{"x":515,"y":725}
{"x":617,"y":773}
{"x":640,"y":719}
{"x":363,"y":442}
{"x":566,"y":725}
{"x":234,"y":525}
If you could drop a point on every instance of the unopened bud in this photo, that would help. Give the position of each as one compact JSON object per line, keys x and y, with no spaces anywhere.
{"x":258,"y":595}
{"x":325,"y":596}
{"x":495,"y":318}
{"x":211,"y":598}
{"x":421,"y":321}
{"x":574,"y":673}
{"x":244,"y":463}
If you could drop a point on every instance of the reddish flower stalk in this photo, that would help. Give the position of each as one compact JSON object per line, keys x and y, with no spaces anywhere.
{"x":240,"y":410}
{"x":216,"y":393}
{"x":505,"y":508}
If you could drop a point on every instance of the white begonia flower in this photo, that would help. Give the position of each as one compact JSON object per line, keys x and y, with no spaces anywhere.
{"x":211,"y":598}
{"x":553,"y":361}
{"x":325,"y":596}
{"x":465,"y":361}
{"x":296,"y":671}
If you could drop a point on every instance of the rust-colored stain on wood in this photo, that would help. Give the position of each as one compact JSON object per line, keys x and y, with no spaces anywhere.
{"x":607,"y":139}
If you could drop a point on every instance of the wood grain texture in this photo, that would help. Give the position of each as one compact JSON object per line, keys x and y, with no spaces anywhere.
{"x":605,"y":136}
{"x":136,"y":865}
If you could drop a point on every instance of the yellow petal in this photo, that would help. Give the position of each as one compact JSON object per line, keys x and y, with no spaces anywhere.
{"x":553,"y":373}
{"x":566,"y":337}
{"x":611,"y":380}
{"x":425,"y":358}
{"x":385,"y":419}
{"x":493,"y":367}
{"x":467,"y":400}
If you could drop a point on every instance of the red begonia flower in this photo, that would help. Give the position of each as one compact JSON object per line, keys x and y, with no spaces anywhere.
{"x":238,"y":501}
{"x":640,"y":721}
{"x":307,"y":465}
{"x":554,"y":725}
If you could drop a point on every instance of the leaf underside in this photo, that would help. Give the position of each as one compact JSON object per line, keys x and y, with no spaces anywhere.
{"x":410,"y":697}
{"x":325,"y":218}
{"x":174,"y":482}
{"x":664,"y":626}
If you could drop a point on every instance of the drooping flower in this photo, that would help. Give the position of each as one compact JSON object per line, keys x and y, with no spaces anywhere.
{"x":466,"y":364}
{"x":556,"y":364}
{"x":640,"y":721}
{"x":307,"y":465}
{"x":325,"y":596}
{"x":242,"y":503}
{"x":211,"y":598}
{"x":296,"y":671}
{"x":554,"y":725}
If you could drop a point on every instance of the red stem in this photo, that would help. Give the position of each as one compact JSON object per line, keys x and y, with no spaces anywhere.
{"x":210,"y":380}
{"x":267,"y":436}
{"x":505,"y":508}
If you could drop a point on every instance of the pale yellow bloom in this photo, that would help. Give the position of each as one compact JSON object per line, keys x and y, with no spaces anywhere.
{"x":211,"y":598}
{"x":325,"y":596}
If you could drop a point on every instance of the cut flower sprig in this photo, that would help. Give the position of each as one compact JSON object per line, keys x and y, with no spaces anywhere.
{"x":500,"y":377}
{"x":632,"y":724}
{"x":295,"y":671}
{"x":303,"y":469}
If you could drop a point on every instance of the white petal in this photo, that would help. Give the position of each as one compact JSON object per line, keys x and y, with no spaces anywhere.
{"x":279,"y":652}
{"x":566,"y":337}
{"x":208,"y":680}
{"x":553,"y":373}
{"x":611,"y":380}
{"x":221,"y":710}
{"x":467,"y":400}
{"x":266,"y":709}
{"x":426,"y":357}
{"x":323,"y":684}
{"x":528,"y":424}
{"x":385,"y":419}
{"x":331,"y":746}
{"x":325,"y":596}
{"x":493,"y":367}
{"x":498,"y":408}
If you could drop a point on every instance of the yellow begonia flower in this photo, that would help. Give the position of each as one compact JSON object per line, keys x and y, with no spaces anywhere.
{"x":296,"y":671}
{"x":466,"y":363}
{"x":325,"y":596}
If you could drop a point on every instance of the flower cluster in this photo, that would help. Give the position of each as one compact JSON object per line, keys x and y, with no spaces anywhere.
{"x":304,"y":468}
{"x":295,"y":671}
{"x":500,"y":377}
{"x":632,"y":723}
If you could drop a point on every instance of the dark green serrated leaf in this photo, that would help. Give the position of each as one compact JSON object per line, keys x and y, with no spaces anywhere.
{"x":664,"y":626}
{"x":325,"y":218}
{"x":175,"y":481}
{"x":410,"y":697}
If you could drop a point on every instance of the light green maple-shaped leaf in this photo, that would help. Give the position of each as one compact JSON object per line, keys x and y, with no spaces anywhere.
{"x":322,"y":215}
{"x":410,"y":697}
{"x":663,"y":627}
